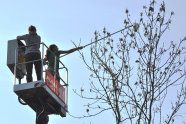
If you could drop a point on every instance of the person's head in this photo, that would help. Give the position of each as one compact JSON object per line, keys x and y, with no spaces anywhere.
{"x":31,"y":28}
{"x":53,"y":47}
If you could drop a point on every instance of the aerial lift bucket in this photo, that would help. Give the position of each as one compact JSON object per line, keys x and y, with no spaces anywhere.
{"x":46,"y":95}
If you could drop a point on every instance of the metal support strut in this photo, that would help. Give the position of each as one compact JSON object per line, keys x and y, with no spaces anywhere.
{"x":42,"y":117}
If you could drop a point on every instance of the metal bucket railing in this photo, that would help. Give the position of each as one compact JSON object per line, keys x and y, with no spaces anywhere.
{"x":64,"y":83}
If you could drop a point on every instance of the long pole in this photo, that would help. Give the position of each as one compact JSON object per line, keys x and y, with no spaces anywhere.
{"x":102,"y":38}
{"x":108,"y":36}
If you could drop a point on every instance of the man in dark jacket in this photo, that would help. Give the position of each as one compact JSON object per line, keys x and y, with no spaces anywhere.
{"x":32,"y":52}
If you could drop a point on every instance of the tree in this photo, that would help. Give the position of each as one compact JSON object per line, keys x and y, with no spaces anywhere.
{"x":133,"y":74}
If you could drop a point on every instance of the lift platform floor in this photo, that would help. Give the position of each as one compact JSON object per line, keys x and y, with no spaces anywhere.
{"x":38,"y":96}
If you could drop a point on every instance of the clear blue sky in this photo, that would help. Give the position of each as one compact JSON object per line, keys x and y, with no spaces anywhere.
{"x":60,"y":22}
